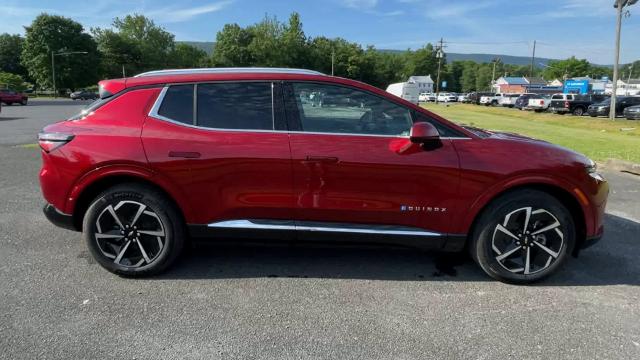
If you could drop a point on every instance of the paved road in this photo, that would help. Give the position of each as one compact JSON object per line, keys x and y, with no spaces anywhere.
{"x":55,"y":302}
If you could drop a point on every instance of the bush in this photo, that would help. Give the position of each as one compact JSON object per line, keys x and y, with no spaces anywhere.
{"x":11,"y":81}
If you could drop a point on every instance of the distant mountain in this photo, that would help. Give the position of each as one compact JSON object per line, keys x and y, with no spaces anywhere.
{"x":479,"y":58}
{"x":204,"y":45}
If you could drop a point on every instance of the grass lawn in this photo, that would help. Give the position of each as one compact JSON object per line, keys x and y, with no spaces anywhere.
{"x":598,"y":138}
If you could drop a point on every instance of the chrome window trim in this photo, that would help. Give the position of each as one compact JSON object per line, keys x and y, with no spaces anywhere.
{"x":156,"y":106}
{"x":248,"y":224}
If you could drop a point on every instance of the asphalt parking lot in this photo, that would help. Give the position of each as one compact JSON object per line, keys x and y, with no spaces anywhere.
{"x":271,"y":303}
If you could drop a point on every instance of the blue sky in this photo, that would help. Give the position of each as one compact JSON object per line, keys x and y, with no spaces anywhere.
{"x":584,"y":28}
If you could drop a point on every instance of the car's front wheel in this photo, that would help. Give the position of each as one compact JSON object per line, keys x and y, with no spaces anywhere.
{"x":523,"y":237}
{"x":133,"y":230}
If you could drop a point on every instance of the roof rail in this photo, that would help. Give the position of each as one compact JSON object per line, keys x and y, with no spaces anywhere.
{"x":228,"y":70}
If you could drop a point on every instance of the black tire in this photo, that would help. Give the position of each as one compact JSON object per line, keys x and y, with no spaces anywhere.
{"x":489,"y":243}
{"x":145,"y":253}
{"x":23,"y":102}
{"x":578,"y":111}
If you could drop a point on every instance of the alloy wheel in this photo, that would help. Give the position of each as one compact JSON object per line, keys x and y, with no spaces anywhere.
{"x":527,"y":241}
{"x":130,"y":233}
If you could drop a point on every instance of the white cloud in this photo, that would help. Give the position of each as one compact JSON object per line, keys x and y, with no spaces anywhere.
{"x":360,"y":4}
{"x":174,"y":14}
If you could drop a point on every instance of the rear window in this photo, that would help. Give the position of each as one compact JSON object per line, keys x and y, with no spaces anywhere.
{"x":557,"y":97}
{"x":177,"y":104}
{"x":243,"y":105}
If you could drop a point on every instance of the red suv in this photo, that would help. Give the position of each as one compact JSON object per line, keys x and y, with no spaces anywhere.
{"x":10,"y":97}
{"x":298,"y":156}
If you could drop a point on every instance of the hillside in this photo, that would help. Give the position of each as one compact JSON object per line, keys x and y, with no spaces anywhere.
{"x":479,"y":58}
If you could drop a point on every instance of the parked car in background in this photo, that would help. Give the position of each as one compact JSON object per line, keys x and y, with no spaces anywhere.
{"x":426,"y":97}
{"x":463,"y":98}
{"x":523,"y":100}
{"x":632,"y":112}
{"x":209,"y":154}
{"x":575,"y":104}
{"x":10,"y":97}
{"x":83,"y":94}
{"x":447,"y":97}
{"x":538,"y":103}
{"x":508,"y":100}
{"x":405,"y":90}
{"x":622,"y":102}
{"x":475,"y":97}
{"x":490,"y":100}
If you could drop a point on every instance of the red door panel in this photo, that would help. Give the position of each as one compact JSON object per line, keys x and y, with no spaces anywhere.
{"x":373,"y":179}
{"x":225,"y":174}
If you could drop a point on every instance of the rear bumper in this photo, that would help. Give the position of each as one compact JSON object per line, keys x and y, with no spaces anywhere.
{"x":559,"y":110}
{"x":58,"y":218}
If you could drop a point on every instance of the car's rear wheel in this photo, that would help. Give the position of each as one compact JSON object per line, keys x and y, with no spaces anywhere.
{"x":23,"y":102}
{"x":523,"y":237}
{"x":133,"y":230}
{"x":578,"y":111}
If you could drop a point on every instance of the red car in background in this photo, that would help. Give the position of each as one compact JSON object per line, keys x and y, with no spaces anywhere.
{"x":298,"y":156}
{"x":10,"y":97}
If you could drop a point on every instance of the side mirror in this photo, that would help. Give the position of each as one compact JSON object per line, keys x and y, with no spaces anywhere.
{"x":423,"y":132}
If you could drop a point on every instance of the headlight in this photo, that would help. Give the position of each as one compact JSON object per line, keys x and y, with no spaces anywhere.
{"x":592,"y":170}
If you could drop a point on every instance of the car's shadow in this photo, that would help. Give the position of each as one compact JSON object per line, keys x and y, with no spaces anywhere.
{"x":612,"y":261}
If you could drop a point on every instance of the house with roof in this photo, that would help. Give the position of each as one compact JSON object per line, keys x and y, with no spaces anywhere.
{"x":425,"y":83}
{"x":521,"y":85}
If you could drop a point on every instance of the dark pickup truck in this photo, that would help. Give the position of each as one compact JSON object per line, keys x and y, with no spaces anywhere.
{"x":575,"y":104}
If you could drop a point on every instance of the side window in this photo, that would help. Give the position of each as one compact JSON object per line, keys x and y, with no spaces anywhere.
{"x":241,"y":105}
{"x":177,"y":104}
{"x":343,"y":110}
{"x":442,"y":130}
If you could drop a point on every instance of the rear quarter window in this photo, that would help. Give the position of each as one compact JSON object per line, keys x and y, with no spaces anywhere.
{"x":177,"y":104}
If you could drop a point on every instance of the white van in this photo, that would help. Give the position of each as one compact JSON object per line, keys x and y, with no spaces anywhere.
{"x":405,"y":90}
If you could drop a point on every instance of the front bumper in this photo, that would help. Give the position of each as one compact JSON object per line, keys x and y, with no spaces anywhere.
{"x":597,"y":112}
{"x":58,"y":218}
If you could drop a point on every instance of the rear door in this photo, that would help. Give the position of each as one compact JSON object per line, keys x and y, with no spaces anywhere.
{"x":224,"y":146}
{"x":354,"y":167}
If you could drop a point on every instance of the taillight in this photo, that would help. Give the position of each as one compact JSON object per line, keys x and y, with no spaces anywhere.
{"x":51,"y":141}
{"x":541,"y":102}
{"x":566,"y":104}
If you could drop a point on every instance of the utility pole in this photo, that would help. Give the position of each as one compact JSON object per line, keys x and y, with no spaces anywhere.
{"x":439,"y":55}
{"x":493,"y":74}
{"x":333,"y":60}
{"x":124,"y":75}
{"x":619,"y":5}
{"x":533,"y":58}
{"x":629,"y":78}
{"x":53,"y":74}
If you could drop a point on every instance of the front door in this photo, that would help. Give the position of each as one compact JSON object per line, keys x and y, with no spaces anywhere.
{"x":355,"y":169}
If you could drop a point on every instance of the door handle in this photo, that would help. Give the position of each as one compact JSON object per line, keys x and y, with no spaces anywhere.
{"x":326,"y":159}
{"x":184,"y":154}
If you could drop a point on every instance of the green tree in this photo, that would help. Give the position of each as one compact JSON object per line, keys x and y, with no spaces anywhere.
{"x":11,"y":81}
{"x":571,"y":67}
{"x":634,"y":67}
{"x":57,"y":34}
{"x":294,"y":43}
{"x":10,"y":50}
{"x":187,"y":56}
{"x":468,"y":76}
{"x":232,"y":47}
{"x":119,"y":54}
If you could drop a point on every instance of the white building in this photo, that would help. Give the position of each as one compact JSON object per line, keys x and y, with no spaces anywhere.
{"x":625,"y":87}
{"x":424,"y":83}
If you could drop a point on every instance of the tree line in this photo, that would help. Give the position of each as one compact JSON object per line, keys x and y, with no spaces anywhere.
{"x":136,"y":44}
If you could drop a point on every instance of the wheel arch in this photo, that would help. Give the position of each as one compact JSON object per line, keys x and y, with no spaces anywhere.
{"x":86,"y":192}
{"x":562,"y":194}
